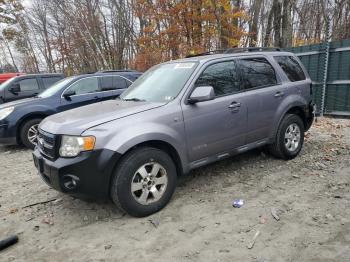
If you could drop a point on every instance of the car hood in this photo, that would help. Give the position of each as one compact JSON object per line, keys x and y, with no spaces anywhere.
{"x":26,"y":101}
{"x":76,"y":121}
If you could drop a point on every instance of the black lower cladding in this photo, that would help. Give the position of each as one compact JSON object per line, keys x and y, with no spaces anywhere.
{"x":93,"y":170}
{"x":310,"y":112}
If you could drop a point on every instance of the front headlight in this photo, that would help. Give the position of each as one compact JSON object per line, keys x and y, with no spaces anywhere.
{"x":71,"y":146}
{"x":5,"y":112}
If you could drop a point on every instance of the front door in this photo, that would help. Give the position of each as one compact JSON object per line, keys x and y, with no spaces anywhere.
{"x":28,"y":87}
{"x":218,"y":125}
{"x":85,"y":91}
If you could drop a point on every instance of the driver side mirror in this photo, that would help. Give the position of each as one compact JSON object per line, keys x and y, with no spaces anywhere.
{"x":67,"y":95}
{"x":201,"y":94}
{"x":15,"y":88}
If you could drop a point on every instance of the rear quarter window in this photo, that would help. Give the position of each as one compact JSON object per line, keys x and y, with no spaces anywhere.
{"x":291,"y":68}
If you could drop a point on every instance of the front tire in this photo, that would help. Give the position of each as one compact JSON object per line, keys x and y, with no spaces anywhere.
{"x":289,"y":138}
{"x":29,"y":132}
{"x":144,"y":181}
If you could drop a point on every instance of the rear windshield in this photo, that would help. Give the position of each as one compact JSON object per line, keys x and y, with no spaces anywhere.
{"x":291,"y":67}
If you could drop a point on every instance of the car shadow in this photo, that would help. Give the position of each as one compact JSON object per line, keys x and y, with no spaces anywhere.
{"x":223,"y":167}
{"x":13,"y":148}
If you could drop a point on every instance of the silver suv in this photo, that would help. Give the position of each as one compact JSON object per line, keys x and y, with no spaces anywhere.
{"x":178,"y":116}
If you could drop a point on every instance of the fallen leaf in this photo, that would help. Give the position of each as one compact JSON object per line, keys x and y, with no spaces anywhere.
{"x":13,"y":210}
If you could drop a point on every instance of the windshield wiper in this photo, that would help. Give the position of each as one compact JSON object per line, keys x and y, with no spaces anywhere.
{"x":134,"y":99}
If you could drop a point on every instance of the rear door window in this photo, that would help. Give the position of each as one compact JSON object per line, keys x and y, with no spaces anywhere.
{"x":291,"y":67}
{"x":222,"y":76}
{"x":49,"y":81}
{"x":113,"y":83}
{"x":256,"y":73}
{"x":29,"y":84}
{"x":120,"y":82}
{"x":107,"y":83}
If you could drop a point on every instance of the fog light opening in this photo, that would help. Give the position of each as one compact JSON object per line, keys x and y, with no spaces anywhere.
{"x":70,"y":182}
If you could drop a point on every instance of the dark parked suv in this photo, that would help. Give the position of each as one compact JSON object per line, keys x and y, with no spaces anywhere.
{"x":178,"y":116}
{"x":25,"y":86}
{"x":19,"y":120}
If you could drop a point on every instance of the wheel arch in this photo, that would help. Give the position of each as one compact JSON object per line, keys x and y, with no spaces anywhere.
{"x":159,"y":144}
{"x":164,"y":146}
{"x":299,"y":111}
{"x":297,"y":108}
{"x":26,"y":118}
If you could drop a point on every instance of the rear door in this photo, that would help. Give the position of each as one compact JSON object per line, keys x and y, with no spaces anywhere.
{"x":87,"y":91}
{"x":29,"y":87}
{"x":264,"y":92}
{"x":113,"y":86}
{"x":218,"y":125}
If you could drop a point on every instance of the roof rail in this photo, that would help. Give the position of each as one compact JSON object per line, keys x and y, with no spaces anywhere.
{"x":116,"y":71}
{"x":236,"y":50}
{"x":85,"y":73}
{"x":251,"y":49}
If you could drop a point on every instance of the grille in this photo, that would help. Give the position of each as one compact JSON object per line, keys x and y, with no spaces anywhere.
{"x":47,"y":144}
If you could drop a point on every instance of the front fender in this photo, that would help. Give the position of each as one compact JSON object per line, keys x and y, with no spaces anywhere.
{"x":40,"y":111}
{"x":129,"y":137}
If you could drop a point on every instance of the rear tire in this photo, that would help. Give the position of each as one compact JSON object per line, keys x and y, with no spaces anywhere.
{"x":144,"y":181}
{"x":29,"y":132}
{"x":289,"y":138}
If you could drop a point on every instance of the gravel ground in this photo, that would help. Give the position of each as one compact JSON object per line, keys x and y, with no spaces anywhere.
{"x":309,"y":194}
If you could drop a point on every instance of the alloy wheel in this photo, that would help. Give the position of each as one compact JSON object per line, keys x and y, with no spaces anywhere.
{"x":292,"y":137}
{"x":149,"y":183}
{"x":32,"y":134}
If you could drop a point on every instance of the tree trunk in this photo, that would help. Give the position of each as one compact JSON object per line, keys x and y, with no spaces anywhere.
{"x":254,"y":24}
{"x":287,"y":29}
{"x":277,"y":8}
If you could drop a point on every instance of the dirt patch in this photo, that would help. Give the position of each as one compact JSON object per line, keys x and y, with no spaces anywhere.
{"x":310,"y":195}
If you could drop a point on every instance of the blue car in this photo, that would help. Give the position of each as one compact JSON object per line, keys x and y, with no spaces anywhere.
{"x":19,"y":120}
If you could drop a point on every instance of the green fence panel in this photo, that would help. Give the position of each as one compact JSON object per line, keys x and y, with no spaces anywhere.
{"x":337,"y":99}
{"x":313,"y":57}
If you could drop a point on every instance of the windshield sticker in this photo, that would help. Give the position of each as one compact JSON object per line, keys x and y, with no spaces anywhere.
{"x":168,"y":98}
{"x":184,"y":65}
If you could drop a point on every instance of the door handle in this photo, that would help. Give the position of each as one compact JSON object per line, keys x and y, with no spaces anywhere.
{"x":279,"y":94}
{"x":234,"y":105}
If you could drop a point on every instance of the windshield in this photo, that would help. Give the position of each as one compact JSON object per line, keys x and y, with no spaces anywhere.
{"x":161,"y":83}
{"x":56,"y":87}
{"x":7,"y":82}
